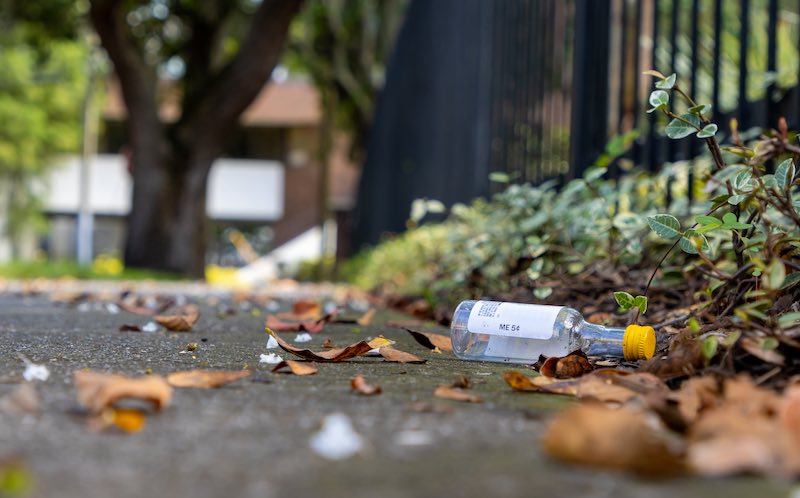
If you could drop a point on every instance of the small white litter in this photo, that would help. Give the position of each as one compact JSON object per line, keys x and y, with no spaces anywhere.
{"x":112,"y":308}
{"x":413,"y":437}
{"x":272,"y":343}
{"x":304,"y":337}
{"x":35,"y":372}
{"x":337,"y":439}
{"x":150,"y":327}
{"x":270,"y":358}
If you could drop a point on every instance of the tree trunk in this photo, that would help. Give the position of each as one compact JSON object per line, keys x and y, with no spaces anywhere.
{"x":167,"y":227}
{"x":171,"y":162}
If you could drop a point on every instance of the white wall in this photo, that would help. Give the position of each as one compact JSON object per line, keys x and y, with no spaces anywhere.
{"x":238,"y":189}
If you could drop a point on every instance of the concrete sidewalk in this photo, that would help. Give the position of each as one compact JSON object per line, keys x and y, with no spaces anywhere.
{"x":251,"y":438}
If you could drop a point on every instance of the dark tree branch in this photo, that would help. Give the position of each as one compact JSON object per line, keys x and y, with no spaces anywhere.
{"x":210,"y":122}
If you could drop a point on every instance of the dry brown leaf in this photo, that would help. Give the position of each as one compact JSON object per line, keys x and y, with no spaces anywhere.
{"x":331,"y":355}
{"x":97,"y":391}
{"x":445,"y":392}
{"x":608,"y":385}
{"x":327,"y":344}
{"x":461,"y":381}
{"x":685,"y":357}
{"x":745,"y":433}
{"x":129,"y":328}
{"x":136,"y":309}
{"x":753,"y":346}
{"x":310,"y":326}
{"x":431,"y":340}
{"x":296,"y":367}
{"x":205,"y":379}
{"x":391,"y":354}
{"x":360,"y":385}
{"x":306,"y":309}
{"x":695,"y":395}
{"x":574,"y":364}
{"x":179,"y":323}
{"x":367,"y":317}
{"x":598,"y":436}
{"x":521,"y":382}
{"x":23,"y":400}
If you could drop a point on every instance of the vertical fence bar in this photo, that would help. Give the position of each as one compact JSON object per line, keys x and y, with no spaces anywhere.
{"x":637,"y":76}
{"x":772,"y":48}
{"x":744,"y":40}
{"x":715,"y":63}
{"x":693,"y":144}
{"x":673,"y":46}
{"x":653,"y":142}
{"x":589,"y":101}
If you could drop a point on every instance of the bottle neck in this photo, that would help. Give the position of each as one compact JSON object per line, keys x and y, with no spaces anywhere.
{"x":597,"y":340}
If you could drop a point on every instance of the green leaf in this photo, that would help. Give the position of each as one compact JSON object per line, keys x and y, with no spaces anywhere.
{"x":729,"y":222}
{"x":791,"y":279}
{"x":769,"y":343}
{"x":700,"y":109}
{"x":694,"y":325}
{"x":667,"y":83}
{"x":641,"y":303}
{"x":683,"y":127}
{"x":775,"y":274}
{"x":707,"y":223}
{"x":624,"y":300}
{"x":708,"y":131}
{"x":542,"y":292}
{"x":743,"y":181}
{"x":693,"y":242}
{"x":709,"y":346}
{"x":735,"y":200}
{"x":593,"y":173}
{"x":730,"y":339}
{"x":665,"y":225}
{"x":789,"y":320}
{"x":499,"y":177}
{"x":784,"y":174}
{"x":659,"y":98}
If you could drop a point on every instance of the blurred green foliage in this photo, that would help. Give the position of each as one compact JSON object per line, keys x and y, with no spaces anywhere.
{"x":42,"y":83}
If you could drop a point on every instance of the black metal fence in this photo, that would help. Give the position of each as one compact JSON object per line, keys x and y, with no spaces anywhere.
{"x":536,"y":88}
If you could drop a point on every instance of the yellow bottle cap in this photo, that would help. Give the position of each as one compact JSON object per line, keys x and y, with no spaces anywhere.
{"x":639,"y":342}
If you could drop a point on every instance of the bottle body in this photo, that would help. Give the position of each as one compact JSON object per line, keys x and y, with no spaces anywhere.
{"x":520,"y":333}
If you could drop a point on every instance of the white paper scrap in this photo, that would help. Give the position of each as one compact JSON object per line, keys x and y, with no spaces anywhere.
{"x":270,"y":358}
{"x":337,"y":439}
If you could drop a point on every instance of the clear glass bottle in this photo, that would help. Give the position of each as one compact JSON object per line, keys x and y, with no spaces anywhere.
{"x":520,"y":333}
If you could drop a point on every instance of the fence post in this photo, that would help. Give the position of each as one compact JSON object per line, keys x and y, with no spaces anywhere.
{"x":589,"y":84}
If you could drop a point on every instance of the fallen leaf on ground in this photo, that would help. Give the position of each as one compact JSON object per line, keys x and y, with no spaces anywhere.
{"x":603,"y":385}
{"x":330,"y":355}
{"x":15,"y":478}
{"x":97,"y":391}
{"x":367,"y":317}
{"x":445,"y":392}
{"x":685,"y":357}
{"x":296,"y":367}
{"x":521,"y":382}
{"x":306,"y":308}
{"x":745,"y":433}
{"x":360,"y":385}
{"x":755,"y":348}
{"x":462,"y":382}
{"x":129,"y":328}
{"x":431,"y":340}
{"x":205,"y":378}
{"x":327,"y":344}
{"x":179,"y":323}
{"x":391,"y":354}
{"x":574,"y":364}
{"x":618,"y":439}
{"x":23,"y":400}
{"x":310,"y":326}
{"x":695,"y":395}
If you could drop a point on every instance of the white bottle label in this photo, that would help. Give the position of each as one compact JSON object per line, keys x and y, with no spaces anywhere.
{"x":528,"y":321}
